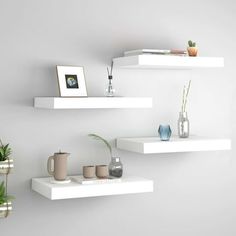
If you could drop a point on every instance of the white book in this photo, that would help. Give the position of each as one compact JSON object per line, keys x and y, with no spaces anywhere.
{"x":148,"y":51}
{"x":80,"y":179}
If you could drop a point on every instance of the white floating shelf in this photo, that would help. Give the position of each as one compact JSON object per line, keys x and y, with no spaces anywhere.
{"x":170,"y":62}
{"x":127,"y":185}
{"x":148,"y":145}
{"x":92,"y":102}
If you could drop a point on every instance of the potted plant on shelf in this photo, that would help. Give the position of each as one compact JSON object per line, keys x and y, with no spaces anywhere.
{"x":192,"y":49}
{"x":5,"y":202}
{"x":6,"y":164}
{"x":115,"y":166}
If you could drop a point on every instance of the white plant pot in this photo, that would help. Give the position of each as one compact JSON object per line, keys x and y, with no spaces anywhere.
{"x":6,"y":166}
{"x":5,"y":209}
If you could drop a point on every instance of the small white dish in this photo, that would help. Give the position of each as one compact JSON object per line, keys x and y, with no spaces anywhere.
{"x":66,"y":181}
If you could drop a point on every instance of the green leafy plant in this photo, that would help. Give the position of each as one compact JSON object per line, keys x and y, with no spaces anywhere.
{"x":4,"y":198}
{"x":5,"y":151}
{"x":191,"y":43}
{"x":185,"y":97}
{"x":97,"y":137}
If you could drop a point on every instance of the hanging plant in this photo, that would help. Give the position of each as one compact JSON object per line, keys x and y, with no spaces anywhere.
{"x":6,"y":164}
{"x":5,"y":201}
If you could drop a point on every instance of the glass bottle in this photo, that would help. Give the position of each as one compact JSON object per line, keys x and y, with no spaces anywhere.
{"x":183,"y":125}
{"x":115,"y":167}
{"x":110,"y":90}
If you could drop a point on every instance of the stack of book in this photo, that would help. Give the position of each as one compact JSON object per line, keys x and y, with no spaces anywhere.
{"x":169,"y":52}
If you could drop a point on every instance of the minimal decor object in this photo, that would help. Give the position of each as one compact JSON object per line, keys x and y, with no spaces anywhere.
{"x":183,"y":122}
{"x":71,"y":81}
{"x":59,"y":171}
{"x":192,"y":49}
{"x":110,"y":89}
{"x":164,"y":132}
{"x":113,"y":162}
{"x":102,"y":171}
{"x":5,"y":201}
{"x":89,"y":172}
{"x":6,"y":164}
{"x":115,"y":167}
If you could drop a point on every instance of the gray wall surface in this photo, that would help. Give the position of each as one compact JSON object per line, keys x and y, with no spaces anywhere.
{"x":194,"y":192}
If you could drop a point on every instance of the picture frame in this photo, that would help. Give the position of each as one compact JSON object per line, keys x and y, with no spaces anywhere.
{"x":71,"y":81}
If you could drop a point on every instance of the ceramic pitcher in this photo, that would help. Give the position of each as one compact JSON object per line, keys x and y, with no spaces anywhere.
{"x":59,"y":167}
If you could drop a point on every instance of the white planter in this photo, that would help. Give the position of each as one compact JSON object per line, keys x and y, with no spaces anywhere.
{"x":6,"y":166}
{"x":5,"y":209}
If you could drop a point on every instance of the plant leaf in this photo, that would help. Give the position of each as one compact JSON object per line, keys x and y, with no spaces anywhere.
{"x":97,"y":137}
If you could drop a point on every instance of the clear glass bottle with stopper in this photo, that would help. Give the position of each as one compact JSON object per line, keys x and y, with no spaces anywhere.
{"x":110,"y":91}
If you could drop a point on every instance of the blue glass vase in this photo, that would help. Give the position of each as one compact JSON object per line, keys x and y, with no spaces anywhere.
{"x":164,"y":132}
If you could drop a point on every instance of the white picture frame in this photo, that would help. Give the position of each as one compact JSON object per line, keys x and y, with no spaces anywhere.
{"x":71,"y":81}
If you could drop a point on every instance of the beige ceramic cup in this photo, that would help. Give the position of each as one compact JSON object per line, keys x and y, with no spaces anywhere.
{"x":59,"y":171}
{"x":89,"y":171}
{"x":102,"y":171}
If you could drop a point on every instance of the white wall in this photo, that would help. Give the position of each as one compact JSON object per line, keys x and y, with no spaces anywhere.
{"x":194,"y":192}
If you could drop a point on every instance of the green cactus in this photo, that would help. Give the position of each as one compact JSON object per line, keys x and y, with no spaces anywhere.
{"x":191,"y":43}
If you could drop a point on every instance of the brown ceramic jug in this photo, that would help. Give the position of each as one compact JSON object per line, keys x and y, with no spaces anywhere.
{"x":59,"y":160}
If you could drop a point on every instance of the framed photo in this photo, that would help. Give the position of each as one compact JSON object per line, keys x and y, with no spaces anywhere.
{"x":71,"y":81}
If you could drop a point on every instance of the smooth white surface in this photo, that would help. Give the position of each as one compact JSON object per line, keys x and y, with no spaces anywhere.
{"x":92,"y":102}
{"x":169,"y":62}
{"x":147,"y":145}
{"x":75,"y":190}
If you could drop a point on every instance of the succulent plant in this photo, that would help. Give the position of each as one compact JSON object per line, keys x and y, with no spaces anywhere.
{"x":4,"y":198}
{"x":5,"y":151}
{"x":97,"y":137}
{"x":191,"y":43}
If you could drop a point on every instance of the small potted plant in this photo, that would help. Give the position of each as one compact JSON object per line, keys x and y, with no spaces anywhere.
{"x":192,"y":49}
{"x":115,"y":166}
{"x":5,"y":202}
{"x":6,"y":164}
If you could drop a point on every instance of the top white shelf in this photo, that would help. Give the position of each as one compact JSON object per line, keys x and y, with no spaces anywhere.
{"x":149,"y":61}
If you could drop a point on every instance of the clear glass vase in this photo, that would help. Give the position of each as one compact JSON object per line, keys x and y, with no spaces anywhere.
{"x":183,"y":125}
{"x":164,"y":132}
{"x":115,"y":167}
